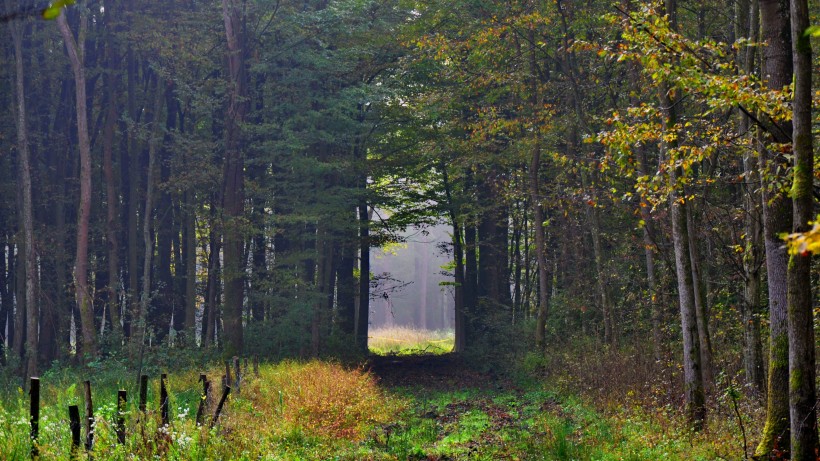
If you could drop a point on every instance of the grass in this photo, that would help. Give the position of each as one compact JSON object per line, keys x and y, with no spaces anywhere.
{"x":406,"y":341}
{"x":324,"y":411}
{"x":292,"y":410}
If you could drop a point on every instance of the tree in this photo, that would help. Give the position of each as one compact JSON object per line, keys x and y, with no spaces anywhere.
{"x":802,"y":386}
{"x":30,"y":304}
{"x":75,"y":50}
{"x":777,"y":73}
{"x":233,"y":173}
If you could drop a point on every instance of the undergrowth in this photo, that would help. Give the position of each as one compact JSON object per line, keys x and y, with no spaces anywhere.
{"x":580,"y":402}
{"x":291,"y":410}
{"x":643,"y":399}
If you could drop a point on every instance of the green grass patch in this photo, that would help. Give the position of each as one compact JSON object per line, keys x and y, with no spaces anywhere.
{"x":409,"y":341}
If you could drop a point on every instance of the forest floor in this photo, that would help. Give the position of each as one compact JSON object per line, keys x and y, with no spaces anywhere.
{"x":395,"y":407}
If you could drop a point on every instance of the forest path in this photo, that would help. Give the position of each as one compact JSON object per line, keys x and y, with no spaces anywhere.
{"x":440,"y":372}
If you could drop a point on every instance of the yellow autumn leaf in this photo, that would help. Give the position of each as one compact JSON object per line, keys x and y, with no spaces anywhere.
{"x":53,"y":10}
{"x":806,"y":242}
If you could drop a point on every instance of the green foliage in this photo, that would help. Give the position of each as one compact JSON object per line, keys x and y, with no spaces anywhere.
{"x":55,"y":8}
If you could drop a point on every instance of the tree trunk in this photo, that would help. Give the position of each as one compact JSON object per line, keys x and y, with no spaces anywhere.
{"x":233,"y":176}
{"x":802,"y":372}
{"x":30,"y":306}
{"x":19,"y":267}
{"x":540,"y":247}
{"x":83,"y":296}
{"x":459,"y":317}
{"x":693,"y":376}
{"x":363,"y":317}
{"x":148,"y":218}
{"x":701,"y":312}
{"x":210,"y":317}
{"x":165,"y":301}
{"x":777,"y":219}
{"x":112,"y":197}
{"x":649,"y":248}
{"x":748,"y":26}
{"x":346,"y":302}
{"x":4,"y":293}
{"x":593,"y":218}
{"x":189,"y":255}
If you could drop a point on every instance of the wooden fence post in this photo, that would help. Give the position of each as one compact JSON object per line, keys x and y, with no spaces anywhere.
{"x":74,"y":424}
{"x":228,"y":379}
{"x":122,"y":398}
{"x":143,"y":393}
{"x":221,"y":403}
{"x":237,"y":374}
{"x":89,"y":417}
{"x":34,"y":415}
{"x":203,"y":399}
{"x":163,"y":399}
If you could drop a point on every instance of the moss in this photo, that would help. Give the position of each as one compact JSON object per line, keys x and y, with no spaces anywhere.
{"x":771,"y":437}
{"x":780,"y":352}
{"x":777,"y":417}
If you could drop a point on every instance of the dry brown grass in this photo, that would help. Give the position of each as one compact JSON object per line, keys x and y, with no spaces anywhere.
{"x":316,"y":399}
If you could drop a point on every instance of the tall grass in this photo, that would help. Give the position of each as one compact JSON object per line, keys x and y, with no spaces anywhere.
{"x":290,"y":411}
{"x":406,"y":340}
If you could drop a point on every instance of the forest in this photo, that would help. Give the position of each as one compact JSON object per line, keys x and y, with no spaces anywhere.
{"x":612,"y":210}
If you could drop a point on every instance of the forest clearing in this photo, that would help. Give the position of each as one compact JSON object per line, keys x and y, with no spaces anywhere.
{"x":440,"y":229}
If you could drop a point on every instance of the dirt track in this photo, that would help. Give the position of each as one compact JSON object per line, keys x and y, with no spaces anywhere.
{"x":440,"y":372}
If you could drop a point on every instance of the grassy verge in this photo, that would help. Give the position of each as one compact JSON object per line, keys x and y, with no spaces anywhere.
{"x":320,"y":411}
{"x":406,"y":341}
{"x":292,"y":410}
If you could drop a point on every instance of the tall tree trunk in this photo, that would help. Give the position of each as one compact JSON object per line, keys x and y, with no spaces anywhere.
{"x":802,"y":372}
{"x":83,"y":296}
{"x":594,"y":221}
{"x":747,"y":14}
{"x":519,"y":218}
{"x":4,"y":293}
{"x":30,"y":306}
{"x":189,"y":255}
{"x":211,"y":314}
{"x":363,"y":317}
{"x":165,"y":300}
{"x":233,"y":199}
{"x":693,"y":376}
{"x":701,"y":312}
{"x":459,"y":317}
{"x":346,"y":303}
{"x":148,"y":218}
{"x":112,"y":197}
{"x":131,"y":188}
{"x":470,"y":272}
{"x":777,"y":219}
{"x":649,"y":247}
{"x":540,"y":247}
{"x":18,"y":339}
{"x":536,"y":101}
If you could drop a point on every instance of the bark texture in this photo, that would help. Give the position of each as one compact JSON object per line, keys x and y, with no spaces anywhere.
{"x":777,"y":219}
{"x":802,"y":386}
